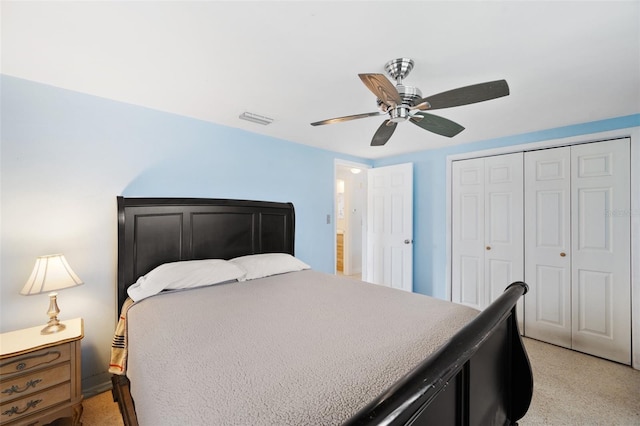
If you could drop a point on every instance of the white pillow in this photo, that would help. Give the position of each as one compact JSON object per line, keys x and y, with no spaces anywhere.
{"x":186,"y":274}
{"x":264,"y":265}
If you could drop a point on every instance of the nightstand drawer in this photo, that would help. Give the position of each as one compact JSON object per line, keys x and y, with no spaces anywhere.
{"x":33,"y":403}
{"x":35,"y":381}
{"x":39,"y":359}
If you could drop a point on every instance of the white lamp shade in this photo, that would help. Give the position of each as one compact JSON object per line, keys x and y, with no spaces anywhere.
{"x":50,"y":273}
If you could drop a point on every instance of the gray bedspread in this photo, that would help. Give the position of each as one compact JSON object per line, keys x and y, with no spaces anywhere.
{"x":302,"y":348}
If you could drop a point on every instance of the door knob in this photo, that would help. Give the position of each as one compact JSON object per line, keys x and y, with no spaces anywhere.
{"x":563,"y":254}
{"x":488,"y":247}
{"x":408,"y":241}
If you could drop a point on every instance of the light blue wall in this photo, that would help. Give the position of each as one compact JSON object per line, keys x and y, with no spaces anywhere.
{"x":65,"y":157}
{"x":430,"y":255}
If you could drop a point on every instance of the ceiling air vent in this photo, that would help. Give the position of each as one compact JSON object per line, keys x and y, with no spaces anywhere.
{"x":255,"y":118}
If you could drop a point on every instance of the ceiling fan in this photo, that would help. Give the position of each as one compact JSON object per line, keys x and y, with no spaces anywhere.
{"x":402,"y":103}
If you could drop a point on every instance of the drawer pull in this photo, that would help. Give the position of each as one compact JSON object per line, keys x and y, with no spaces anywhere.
{"x":16,"y":389}
{"x":16,"y":410}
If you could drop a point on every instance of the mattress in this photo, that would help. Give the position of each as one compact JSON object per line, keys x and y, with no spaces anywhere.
{"x":301,"y":348}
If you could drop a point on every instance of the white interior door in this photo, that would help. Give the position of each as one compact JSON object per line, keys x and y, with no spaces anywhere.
{"x":390,"y":226}
{"x":548,"y":245}
{"x":601,"y":259}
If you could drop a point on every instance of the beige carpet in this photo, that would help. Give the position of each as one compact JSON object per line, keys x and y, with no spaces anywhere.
{"x":570,"y":388}
{"x":99,"y":410}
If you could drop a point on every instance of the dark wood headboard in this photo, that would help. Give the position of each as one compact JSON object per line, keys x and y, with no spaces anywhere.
{"x":153,"y":231}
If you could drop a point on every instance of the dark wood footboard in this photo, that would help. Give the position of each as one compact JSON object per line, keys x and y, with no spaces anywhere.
{"x":482,"y":376}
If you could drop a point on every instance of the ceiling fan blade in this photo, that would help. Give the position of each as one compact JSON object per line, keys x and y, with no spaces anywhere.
{"x":465,"y":95}
{"x":383,"y":133}
{"x":382,"y":88}
{"x":347,"y":118}
{"x":436,"y":124}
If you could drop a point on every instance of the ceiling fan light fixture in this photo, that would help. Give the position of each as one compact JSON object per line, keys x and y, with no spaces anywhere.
{"x":255,"y":118}
{"x":399,"y":114}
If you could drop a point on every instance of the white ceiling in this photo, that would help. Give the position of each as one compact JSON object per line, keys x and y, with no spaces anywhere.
{"x":298,"y":61}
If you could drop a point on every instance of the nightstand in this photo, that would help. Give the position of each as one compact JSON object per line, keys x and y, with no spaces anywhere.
{"x":40,"y":375}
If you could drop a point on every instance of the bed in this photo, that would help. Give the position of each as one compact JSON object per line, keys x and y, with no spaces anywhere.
{"x":299,"y":347}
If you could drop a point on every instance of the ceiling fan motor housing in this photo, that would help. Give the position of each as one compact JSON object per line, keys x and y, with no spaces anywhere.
{"x":410,"y":96}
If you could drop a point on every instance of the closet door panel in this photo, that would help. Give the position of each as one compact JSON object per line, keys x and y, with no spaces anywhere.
{"x":487,"y":228}
{"x":547,"y":245}
{"x":503,"y":223}
{"x":468,"y":233}
{"x":552,"y":304}
{"x":499,"y":272}
{"x":601,"y":225}
{"x":595,"y":303}
{"x":470,"y":268}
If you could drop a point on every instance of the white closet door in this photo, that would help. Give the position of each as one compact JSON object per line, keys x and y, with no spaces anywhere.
{"x":601,"y":227}
{"x":503,"y":228}
{"x":468,"y":249}
{"x":487,"y":240}
{"x":548,"y":245}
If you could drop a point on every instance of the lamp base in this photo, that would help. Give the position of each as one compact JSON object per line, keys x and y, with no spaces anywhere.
{"x":52,"y":328}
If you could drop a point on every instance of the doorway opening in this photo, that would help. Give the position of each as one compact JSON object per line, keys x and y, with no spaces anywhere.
{"x":350,"y":195}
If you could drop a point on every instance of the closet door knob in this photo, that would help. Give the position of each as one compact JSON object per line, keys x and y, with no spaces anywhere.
{"x":488,"y":247}
{"x":563,"y":254}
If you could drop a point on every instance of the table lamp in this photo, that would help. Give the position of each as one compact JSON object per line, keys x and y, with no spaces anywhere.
{"x":51,"y":273}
